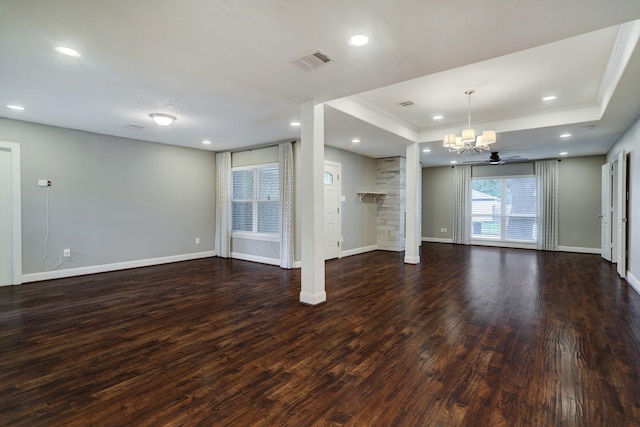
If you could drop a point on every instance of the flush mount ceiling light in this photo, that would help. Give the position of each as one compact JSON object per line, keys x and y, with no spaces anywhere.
{"x":15,"y":107}
{"x":67,"y":51}
{"x":162,"y":119}
{"x":358,"y":40}
{"x":467,"y":141}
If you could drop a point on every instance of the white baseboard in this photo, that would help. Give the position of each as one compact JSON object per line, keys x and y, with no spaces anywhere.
{"x":633,"y":281}
{"x":312,"y":299}
{"x":412,"y":260}
{"x":81,"y":271}
{"x":579,"y":250}
{"x":358,"y":251}
{"x":349,"y":252}
{"x":255,"y":258}
{"x":437,"y":240}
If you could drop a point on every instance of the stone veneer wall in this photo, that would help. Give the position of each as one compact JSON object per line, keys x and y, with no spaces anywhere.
{"x":391,"y":179}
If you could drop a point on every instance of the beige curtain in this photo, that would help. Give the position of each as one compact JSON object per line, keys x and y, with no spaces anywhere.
{"x":462,"y":205}
{"x":222,"y":240}
{"x":547,"y":189}
{"x":285,"y":156}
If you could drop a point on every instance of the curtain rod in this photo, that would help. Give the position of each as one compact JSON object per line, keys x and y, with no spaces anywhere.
{"x":257,"y":147}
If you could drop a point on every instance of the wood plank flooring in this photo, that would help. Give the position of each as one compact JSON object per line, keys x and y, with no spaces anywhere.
{"x":472,"y":336}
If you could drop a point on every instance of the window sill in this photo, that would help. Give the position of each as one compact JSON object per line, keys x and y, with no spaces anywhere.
{"x":255,"y":236}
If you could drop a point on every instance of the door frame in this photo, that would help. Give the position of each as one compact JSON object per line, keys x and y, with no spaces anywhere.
{"x":621,"y":191}
{"x":606,"y":213}
{"x":16,"y":211}
{"x":339,"y":201}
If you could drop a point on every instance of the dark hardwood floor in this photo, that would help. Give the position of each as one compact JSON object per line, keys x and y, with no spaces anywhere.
{"x":473,"y":336}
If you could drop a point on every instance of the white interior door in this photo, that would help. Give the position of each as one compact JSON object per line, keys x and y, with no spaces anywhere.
{"x":6,"y":227}
{"x":332,"y":190}
{"x":621,"y":214}
{"x":605,"y":213}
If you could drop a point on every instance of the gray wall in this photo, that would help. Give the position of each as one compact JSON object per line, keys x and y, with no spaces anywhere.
{"x":358,"y":218}
{"x":112,"y":199}
{"x":579,"y":201}
{"x":437,"y":202}
{"x":630,"y":142}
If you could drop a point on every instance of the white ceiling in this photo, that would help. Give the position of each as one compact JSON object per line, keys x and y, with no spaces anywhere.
{"x":224,"y":69}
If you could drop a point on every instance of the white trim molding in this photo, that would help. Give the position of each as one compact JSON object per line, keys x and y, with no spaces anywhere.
{"x":437,"y":240}
{"x":358,"y":251}
{"x":80,"y":271}
{"x":16,"y":211}
{"x":255,"y":258}
{"x":633,"y":281}
{"x":579,"y":250}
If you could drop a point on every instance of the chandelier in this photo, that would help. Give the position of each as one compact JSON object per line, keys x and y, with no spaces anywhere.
{"x":468,"y":141}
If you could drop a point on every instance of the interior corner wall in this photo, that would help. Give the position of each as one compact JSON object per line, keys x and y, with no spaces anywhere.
{"x":630,"y":143}
{"x":112,"y":200}
{"x":437,"y":203}
{"x":358,"y":217}
{"x":579,"y":201}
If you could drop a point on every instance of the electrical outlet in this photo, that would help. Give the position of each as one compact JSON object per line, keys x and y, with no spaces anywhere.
{"x":66,"y":253}
{"x":197,"y":240}
{"x":44,"y":183}
{"x":444,"y":230}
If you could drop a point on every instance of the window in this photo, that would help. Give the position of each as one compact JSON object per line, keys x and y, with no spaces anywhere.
{"x":504,"y":209}
{"x":255,"y":199}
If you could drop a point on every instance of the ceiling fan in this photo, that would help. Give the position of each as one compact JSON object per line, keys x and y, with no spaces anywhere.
{"x":495,"y":159}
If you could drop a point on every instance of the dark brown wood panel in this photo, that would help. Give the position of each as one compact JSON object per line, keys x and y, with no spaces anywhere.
{"x":472,"y":336}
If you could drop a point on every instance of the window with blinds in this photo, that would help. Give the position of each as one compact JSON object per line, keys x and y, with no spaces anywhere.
{"x":504,"y":209}
{"x":255,"y":199}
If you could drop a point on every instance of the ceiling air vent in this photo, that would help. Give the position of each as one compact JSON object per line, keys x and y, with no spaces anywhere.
{"x":406,"y":103}
{"x":134,"y":126}
{"x":313,"y":60}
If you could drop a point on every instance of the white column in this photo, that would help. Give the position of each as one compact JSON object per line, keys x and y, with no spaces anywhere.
{"x":412,"y":246}
{"x":312,"y":289}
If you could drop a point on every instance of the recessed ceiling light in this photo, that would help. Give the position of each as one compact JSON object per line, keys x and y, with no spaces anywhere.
{"x":206,"y":142}
{"x":15,"y":107}
{"x":438,"y":117}
{"x":67,"y":51}
{"x":426,"y":150}
{"x":564,"y":153}
{"x":295,"y":124}
{"x":162,"y":119}
{"x":358,"y":40}
{"x":565,"y":135}
{"x":356,"y":140}
{"x":453,"y":162}
{"x":549,"y":98}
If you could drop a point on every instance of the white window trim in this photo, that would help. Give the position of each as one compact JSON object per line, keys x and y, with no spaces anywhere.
{"x":254,"y":235}
{"x":518,"y":244}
